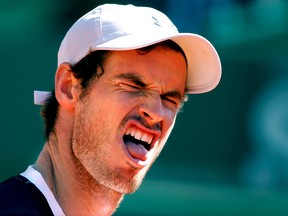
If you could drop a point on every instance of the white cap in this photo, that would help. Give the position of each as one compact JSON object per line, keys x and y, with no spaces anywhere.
{"x":127,"y":27}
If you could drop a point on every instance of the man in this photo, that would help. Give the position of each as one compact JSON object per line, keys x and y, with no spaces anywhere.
{"x":123,"y":73}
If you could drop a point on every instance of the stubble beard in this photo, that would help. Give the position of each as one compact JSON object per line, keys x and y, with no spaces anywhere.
{"x":88,"y":146}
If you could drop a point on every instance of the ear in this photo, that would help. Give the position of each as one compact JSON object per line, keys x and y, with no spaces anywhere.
{"x":66,"y":90}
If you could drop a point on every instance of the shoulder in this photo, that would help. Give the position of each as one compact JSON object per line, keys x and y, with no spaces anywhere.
{"x":18,"y":196}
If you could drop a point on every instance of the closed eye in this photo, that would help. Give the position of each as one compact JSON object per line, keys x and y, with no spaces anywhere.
{"x":172,"y":101}
{"x":173,"y":97}
{"x":129,"y":86}
{"x":131,"y":80}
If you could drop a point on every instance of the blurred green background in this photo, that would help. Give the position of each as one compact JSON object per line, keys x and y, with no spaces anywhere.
{"x":228,"y":154}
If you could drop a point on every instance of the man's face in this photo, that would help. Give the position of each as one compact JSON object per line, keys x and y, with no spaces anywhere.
{"x":122,"y":124}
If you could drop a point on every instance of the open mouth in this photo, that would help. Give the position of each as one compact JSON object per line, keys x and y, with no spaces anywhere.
{"x":131,"y":139}
{"x":138,"y":137}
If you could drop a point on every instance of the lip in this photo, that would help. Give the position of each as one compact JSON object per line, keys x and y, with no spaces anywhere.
{"x":149,"y":156}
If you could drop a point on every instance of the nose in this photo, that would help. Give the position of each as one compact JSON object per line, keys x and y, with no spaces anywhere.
{"x":152,"y":110}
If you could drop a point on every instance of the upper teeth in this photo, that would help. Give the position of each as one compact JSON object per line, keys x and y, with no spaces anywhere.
{"x":140,"y":135}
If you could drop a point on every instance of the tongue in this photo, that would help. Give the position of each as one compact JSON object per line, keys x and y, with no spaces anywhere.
{"x":137,"y":151}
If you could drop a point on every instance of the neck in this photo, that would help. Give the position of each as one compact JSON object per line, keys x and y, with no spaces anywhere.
{"x":72,"y":185}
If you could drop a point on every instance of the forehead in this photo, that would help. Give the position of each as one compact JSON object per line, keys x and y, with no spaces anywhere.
{"x":163,"y":67}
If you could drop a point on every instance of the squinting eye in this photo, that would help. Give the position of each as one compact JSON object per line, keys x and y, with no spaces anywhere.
{"x":170,"y":101}
{"x":128,"y":85}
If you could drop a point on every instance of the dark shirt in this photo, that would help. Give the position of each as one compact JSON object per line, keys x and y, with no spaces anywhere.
{"x":18,"y":196}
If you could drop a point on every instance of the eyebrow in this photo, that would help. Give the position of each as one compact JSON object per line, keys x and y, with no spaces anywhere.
{"x":138,"y":81}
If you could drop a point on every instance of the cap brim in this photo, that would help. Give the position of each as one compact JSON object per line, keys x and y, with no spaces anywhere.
{"x":204,"y":66}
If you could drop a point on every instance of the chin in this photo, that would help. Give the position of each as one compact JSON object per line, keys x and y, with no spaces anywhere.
{"x":128,"y":185}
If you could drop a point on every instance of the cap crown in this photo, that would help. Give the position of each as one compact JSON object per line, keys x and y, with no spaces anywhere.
{"x":110,"y":23}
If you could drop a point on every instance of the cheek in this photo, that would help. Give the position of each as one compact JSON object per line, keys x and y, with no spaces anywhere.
{"x":164,"y":139}
{"x":120,"y":106}
{"x":81,"y":133}
{"x":169,"y":130}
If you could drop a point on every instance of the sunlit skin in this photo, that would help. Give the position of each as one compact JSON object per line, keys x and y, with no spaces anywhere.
{"x":86,"y":162}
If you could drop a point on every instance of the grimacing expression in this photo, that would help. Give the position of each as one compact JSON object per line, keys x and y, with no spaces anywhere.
{"x":122,"y":124}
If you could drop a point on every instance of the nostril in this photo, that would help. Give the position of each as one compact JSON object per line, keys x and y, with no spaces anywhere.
{"x":146,"y":114}
{"x":152,"y":117}
{"x":149,"y":117}
{"x":152,"y":111}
